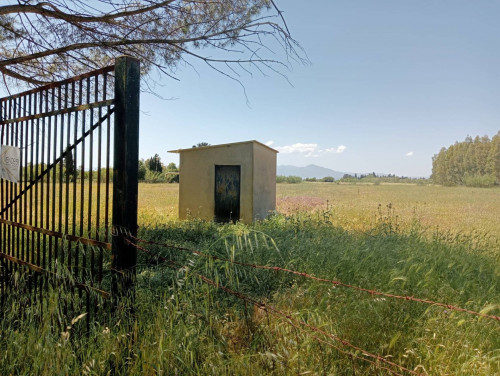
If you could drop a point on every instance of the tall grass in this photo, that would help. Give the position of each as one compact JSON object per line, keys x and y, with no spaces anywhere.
{"x":182,"y":326}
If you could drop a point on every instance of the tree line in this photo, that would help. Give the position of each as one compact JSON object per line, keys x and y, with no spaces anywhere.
{"x":353,"y":179}
{"x":297,"y":179}
{"x":473,"y":162}
{"x":152,"y":170}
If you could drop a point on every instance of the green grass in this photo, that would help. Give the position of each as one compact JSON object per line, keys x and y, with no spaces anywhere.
{"x":185,"y":327}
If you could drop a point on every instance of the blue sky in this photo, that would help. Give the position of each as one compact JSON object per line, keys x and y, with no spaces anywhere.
{"x":389,"y":84}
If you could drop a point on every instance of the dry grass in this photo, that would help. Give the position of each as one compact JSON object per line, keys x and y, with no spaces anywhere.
{"x":182,"y":326}
{"x":456,"y":209}
{"x":356,"y":206}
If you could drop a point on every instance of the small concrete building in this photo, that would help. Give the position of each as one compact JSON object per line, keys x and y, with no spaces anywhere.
{"x":227,"y":182}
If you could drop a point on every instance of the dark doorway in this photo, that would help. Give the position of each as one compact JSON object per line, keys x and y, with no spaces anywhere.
{"x":227,"y":193}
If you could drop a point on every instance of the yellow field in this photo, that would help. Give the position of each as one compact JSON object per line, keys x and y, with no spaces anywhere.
{"x":356,"y":206}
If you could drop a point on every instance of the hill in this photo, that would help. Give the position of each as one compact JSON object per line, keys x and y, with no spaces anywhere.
{"x":311,"y":171}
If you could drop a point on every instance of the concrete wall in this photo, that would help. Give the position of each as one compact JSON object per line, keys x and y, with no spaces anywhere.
{"x":264,"y":178}
{"x":197,"y":179}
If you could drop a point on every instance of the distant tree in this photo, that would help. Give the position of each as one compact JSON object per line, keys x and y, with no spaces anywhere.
{"x":69,"y":165}
{"x":171,"y":167}
{"x":201,"y":144}
{"x":473,"y":162}
{"x":293,"y":179}
{"x":142,"y":170}
{"x":288,"y":179}
{"x":172,"y":173}
{"x":328,"y":179}
{"x":154,"y":164}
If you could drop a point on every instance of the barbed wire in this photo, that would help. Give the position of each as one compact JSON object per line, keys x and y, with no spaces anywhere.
{"x":39,"y":269}
{"x":298,"y":324}
{"x":319,"y":279}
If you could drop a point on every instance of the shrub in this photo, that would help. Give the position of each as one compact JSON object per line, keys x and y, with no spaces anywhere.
{"x":154,"y":177}
{"x":288,"y":179}
{"x":482,"y":181}
{"x":328,"y":179}
{"x":280,"y":179}
{"x":293,"y":179}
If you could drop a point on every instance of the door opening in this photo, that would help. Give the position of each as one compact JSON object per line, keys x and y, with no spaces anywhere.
{"x":227,"y":193}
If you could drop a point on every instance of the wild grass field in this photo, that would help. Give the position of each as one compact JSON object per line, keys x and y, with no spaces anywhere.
{"x":357,"y":206}
{"x":429,"y":242}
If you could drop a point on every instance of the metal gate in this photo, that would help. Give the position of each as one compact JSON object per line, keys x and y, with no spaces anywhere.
{"x":57,"y":223}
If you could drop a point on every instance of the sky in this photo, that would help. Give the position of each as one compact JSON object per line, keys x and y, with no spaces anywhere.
{"x":389,"y":84}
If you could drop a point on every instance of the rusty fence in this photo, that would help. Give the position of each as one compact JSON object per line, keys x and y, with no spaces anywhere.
{"x":334,"y":282}
{"x":318,"y":334}
{"x":76,"y":140}
{"x":384,"y":363}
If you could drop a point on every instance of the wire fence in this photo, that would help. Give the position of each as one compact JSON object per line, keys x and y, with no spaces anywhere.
{"x":314,"y":332}
{"x":375,"y":359}
{"x":320,"y":335}
{"x":325,"y":280}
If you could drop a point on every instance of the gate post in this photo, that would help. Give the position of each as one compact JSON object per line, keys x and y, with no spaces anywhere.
{"x":125,"y":175}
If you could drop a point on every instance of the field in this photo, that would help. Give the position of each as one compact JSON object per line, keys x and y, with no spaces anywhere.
{"x":356,"y":206}
{"x":439,"y":244}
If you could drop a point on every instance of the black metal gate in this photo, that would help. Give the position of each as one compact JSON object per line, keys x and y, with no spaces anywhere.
{"x":59,"y":218}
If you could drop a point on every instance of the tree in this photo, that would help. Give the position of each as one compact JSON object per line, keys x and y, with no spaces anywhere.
{"x":142,"y":170}
{"x":69,"y":165}
{"x":172,"y":167}
{"x":201,"y":144}
{"x":172,"y":173}
{"x":473,"y":162}
{"x":154,"y":164}
{"x":44,"y":41}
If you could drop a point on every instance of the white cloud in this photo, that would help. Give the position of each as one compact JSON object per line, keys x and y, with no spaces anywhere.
{"x":309,"y":150}
{"x":337,"y":150}
{"x":409,"y":154}
{"x":269,"y":143}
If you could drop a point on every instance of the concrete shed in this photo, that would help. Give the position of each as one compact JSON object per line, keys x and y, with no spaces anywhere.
{"x":227,"y":182}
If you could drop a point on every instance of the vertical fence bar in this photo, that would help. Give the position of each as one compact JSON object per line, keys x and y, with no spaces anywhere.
{"x":125,"y":171}
{"x":108,"y":148}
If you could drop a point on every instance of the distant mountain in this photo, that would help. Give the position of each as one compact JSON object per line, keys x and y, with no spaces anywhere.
{"x":311,"y":171}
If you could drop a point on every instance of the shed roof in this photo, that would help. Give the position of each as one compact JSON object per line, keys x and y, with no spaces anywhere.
{"x":223,"y":145}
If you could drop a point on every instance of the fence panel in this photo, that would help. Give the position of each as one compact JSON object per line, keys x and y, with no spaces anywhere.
{"x":57,"y":220}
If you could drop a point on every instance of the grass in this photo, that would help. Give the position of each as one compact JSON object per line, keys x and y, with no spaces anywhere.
{"x":456,"y":209}
{"x":416,"y":246}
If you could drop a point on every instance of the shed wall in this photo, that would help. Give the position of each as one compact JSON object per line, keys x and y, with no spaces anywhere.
{"x":197,"y":180}
{"x":264,"y":172}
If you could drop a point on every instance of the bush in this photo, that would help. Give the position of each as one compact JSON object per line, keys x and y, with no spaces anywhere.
{"x":172,"y":177}
{"x":288,"y":179}
{"x":328,"y":179}
{"x":481,"y":181}
{"x":293,"y":179}
{"x":142,"y":170}
{"x":154,"y":177}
